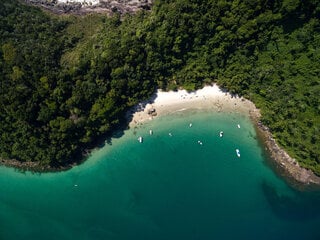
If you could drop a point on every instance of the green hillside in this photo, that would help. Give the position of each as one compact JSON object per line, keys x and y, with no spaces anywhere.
{"x":67,"y":81}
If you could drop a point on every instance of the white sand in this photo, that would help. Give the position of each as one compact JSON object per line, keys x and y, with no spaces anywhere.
{"x":212,"y":98}
{"x":209,"y":98}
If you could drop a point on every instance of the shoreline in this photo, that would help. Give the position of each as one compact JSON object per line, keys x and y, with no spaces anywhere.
{"x":34,"y":167}
{"x":210,"y":98}
{"x":215,"y":99}
{"x":284,"y":165}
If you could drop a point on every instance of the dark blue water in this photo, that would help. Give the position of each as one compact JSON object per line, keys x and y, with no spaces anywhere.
{"x":168,"y":187}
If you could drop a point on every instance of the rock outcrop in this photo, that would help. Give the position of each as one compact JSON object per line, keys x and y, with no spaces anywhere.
{"x":86,"y":6}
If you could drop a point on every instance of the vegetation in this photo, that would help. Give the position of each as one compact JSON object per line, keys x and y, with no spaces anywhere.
{"x":67,"y":81}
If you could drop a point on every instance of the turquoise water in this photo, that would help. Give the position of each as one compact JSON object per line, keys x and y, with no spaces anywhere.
{"x":168,"y":187}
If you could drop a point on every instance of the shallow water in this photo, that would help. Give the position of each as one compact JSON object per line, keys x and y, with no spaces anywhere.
{"x":168,"y":187}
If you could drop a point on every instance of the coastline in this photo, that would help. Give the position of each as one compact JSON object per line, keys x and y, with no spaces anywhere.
{"x":215,"y":99}
{"x":32,"y":166}
{"x":285,"y":165}
{"x":210,"y":98}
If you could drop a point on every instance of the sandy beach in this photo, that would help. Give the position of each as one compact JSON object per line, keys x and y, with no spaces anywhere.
{"x":208,"y":98}
{"x":215,"y":99}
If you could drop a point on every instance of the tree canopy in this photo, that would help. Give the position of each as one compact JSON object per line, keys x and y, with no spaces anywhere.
{"x":66,"y":81}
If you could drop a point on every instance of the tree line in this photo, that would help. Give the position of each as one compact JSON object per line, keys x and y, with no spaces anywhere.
{"x":67,"y":81}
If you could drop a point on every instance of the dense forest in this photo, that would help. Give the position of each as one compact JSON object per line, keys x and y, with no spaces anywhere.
{"x":67,"y":81}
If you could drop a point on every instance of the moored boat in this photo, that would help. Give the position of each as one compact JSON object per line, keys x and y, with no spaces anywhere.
{"x":238,"y":152}
{"x":221,"y":134}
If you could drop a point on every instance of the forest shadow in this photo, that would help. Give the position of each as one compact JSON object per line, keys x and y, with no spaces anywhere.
{"x":126,"y":118}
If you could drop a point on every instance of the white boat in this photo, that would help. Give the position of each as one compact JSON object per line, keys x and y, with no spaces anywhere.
{"x":140,"y":139}
{"x":190,"y":125}
{"x":200,"y":142}
{"x":150,"y":132}
{"x":170,"y":134}
{"x":238,"y":152}
{"x":238,"y":125}
{"x":221,"y":134}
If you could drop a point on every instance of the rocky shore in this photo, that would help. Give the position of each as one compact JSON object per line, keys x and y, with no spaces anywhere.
{"x":214,"y":99}
{"x":32,"y":166}
{"x":211,"y":98}
{"x":282,"y":163}
{"x":97,"y":6}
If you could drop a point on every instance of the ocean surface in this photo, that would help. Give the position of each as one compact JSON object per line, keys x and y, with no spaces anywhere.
{"x":168,"y":187}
